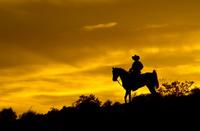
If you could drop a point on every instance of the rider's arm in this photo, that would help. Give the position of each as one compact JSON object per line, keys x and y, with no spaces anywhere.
{"x":131,"y":69}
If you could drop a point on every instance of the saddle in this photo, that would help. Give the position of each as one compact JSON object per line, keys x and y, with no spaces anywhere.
{"x":135,"y":78}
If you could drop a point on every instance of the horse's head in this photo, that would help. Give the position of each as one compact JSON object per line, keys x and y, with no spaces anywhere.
{"x":118,"y":72}
{"x":115,"y":74}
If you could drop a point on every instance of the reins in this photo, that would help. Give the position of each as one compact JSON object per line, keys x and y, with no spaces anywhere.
{"x":119,"y":83}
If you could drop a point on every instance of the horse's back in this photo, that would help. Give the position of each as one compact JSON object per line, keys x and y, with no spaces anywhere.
{"x":151,"y":77}
{"x":146,"y":75}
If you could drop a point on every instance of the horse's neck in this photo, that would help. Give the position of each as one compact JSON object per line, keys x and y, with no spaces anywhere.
{"x":123,"y":75}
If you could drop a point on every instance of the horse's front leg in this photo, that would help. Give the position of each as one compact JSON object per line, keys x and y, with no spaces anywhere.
{"x":126,"y":94}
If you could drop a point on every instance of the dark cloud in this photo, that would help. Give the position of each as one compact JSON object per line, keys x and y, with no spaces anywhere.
{"x":7,"y":91}
{"x":53,"y":31}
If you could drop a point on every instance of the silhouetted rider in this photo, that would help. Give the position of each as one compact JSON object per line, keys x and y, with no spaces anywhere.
{"x":137,"y":66}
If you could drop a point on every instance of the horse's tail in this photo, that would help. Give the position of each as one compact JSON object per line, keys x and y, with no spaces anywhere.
{"x":155,"y":79}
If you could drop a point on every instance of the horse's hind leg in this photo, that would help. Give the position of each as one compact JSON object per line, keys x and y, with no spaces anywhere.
{"x":126,"y":94}
{"x":129,"y":96}
{"x":152,"y":90}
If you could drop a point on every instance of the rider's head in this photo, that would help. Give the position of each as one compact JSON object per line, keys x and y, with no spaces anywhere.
{"x":136,"y":57}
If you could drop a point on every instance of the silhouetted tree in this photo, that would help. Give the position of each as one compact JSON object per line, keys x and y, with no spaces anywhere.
{"x":7,"y":115}
{"x":53,"y":112}
{"x":30,"y":115}
{"x":31,"y":120}
{"x":87,"y":103}
{"x":7,"y":119}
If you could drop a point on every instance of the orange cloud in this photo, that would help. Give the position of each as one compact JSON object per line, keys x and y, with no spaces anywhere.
{"x":99,"y":26}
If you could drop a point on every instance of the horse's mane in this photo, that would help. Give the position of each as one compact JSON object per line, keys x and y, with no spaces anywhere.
{"x":121,"y":69}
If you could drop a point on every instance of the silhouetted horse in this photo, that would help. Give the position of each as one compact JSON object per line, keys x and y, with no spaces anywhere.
{"x":148,"y":79}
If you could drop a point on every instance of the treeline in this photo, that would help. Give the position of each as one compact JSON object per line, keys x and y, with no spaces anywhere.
{"x":88,"y":111}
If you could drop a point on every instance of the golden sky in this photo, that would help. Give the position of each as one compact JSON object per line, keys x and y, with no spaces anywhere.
{"x":52,"y":51}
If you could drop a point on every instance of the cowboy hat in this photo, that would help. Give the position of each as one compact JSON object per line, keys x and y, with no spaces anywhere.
{"x":135,"y":57}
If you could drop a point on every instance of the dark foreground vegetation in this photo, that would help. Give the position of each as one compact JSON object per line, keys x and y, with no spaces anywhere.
{"x":88,"y":112}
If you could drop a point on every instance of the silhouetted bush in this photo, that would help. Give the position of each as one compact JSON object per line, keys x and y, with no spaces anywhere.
{"x":195,"y":91}
{"x":176,"y":88}
{"x":107,"y":103}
